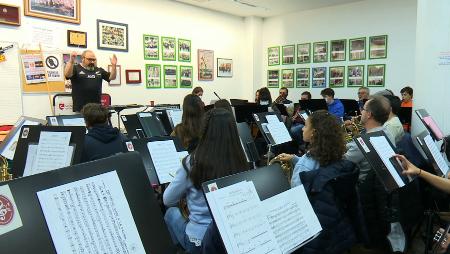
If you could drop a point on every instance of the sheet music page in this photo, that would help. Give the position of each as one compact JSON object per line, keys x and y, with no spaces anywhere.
{"x":91,"y":215}
{"x":175,"y":115}
{"x":279,"y":132}
{"x":30,"y":163}
{"x":292,"y":218}
{"x":165,"y":159}
{"x":437,"y":156}
{"x":52,"y":151}
{"x":73,"y":122}
{"x":272,"y":119}
{"x":10,"y":148}
{"x":241,"y":220}
{"x":385,"y":151}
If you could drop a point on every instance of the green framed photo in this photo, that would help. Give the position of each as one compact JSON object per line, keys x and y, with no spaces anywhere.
{"x":336,"y":76}
{"x":186,"y":76}
{"x":355,"y":76}
{"x":319,"y":77}
{"x":273,"y":56}
{"x":168,"y":45}
{"x":184,"y":50}
{"x":303,"y":53}
{"x":338,"y":50}
{"x":273,"y":78}
{"x":357,"y":49}
{"x":153,"y":76}
{"x":378,"y":47}
{"x":288,"y":54}
{"x":302,"y":77}
{"x":151,"y":47}
{"x":320,"y":52}
{"x":170,"y":76}
{"x":376,"y":75}
{"x":287,"y":78}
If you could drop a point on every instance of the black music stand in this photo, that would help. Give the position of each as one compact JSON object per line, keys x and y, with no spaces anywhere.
{"x":151,"y":124}
{"x":248,"y":143}
{"x":282,"y":108}
{"x":428,"y":121}
{"x":34,"y":234}
{"x":244,"y":113}
{"x":162,"y":114}
{"x":313,"y":105}
{"x":421,"y":140}
{"x":119,"y":108}
{"x":351,"y":107}
{"x":235,"y":102}
{"x":133,"y":126}
{"x":61,"y":120}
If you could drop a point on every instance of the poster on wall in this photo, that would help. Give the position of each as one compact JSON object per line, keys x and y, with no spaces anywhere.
{"x":273,"y":56}
{"x":112,"y":35}
{"x":378,"y":47}
{"x":287,"y":78}
{"x":168,"y":48}
{"x":320,"y":50}
{"x":357,"y":49}
{"x":224,"y":68}
{"x":375,"y":75}
{"x":151,"y":47}
{"x":355,"y":76}
{"x":53,"y":63}
{"x":205,"y":65}
{"x":273,"y":78}
{"x":288,"y":54}
{"x":33,"y":67}
{"x":319,"y":77}
{"x":153,"y":76}
{"x":337,"y":76}
{"x":184,"y":50}
{"x":303,"y":53}
{"x":170,"y":76}
{"x":302,"y":77}
{"x":338,"y":50}
{"x":186,"y":76}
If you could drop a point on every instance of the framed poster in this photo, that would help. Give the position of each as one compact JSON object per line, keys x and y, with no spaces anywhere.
{"x":302,"y":77}
{"x":112,"y":35}
{"x":375,"y":75}
{"x":184,"y":50}
{"x":378,"y":47}
{"x":273,"y":56}
{"x":153,"y":76}
{"x":151,"y":47}
{"x":224,"y":68}
{"x":205,"y":65}
{"x":117,"y":81}
{"x":338,"y":50}
{"x":273,"y":78}
{"x":168,"y":48}
{"x":287,"y":78}
{"x":319,"y":77}
{"x":303,"y":53}
{"x":320,"y":50}
{"x":336,"y":76}
{"x":133,"y":76}
{"x":186,"y":76}
{"x":355,"y":76}
{"x":10,"y":14}
{"x":357,"y":49}
{"x":66,"y":11}
{"x":288,"y":54}
{"x":170,"y":76}
{"x":76,"y":39}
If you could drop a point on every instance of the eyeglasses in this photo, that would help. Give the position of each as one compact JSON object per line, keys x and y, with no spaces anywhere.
{"x":91,"y":59}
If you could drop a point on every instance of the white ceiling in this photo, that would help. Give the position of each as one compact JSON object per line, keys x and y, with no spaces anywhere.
{"x":263,"y":8}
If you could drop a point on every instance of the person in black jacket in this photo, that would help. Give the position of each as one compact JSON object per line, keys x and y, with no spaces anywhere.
{"x":102,"y":140}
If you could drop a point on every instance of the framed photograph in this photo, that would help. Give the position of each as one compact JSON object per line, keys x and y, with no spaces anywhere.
{"x":112,"y":35}
{"x":357,"y":49}
{"x":337,"y":76}
{"x":375,"y":75}
{"x":273,"y":56}
{"x":184,"y":50}
{"x":151,"y":47}
{"x":319,"y":77}
{"x":287,"y":78}
{"x":273,"y":78}
{"x":186,"y":76}
{"x":378,"y":47}
{"x":153,"y":76}
{"x":117,"y":80}
{"x":355,"y":76}
{"x":338,"y":50}
{"x":303,"y":53}
{"x":76,"y":39}
{"x":224,"y":68}
{"x":302,"y":77}
{"x":288,"y":54}
{"x":320,"y":50}
{"x":133,"y":76}
{"x":66,"y":11}
{"x":168,"y":45}
{"x":205,"y":65}
{"x":170,"y":76}
{"x":10,"y":14}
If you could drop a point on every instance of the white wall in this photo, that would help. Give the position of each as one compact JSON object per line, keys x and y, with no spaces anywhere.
{"x":396,"y":18}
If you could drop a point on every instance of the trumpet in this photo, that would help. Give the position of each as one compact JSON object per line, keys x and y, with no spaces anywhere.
{"x":4,"y":174}
{"x":286,"y":166}
{"x":352,"y":129}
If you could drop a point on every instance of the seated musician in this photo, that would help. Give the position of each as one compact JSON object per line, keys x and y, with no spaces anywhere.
{"x":297,"y":120}
{"x":335,"y":106}
{"x":393,"y":124}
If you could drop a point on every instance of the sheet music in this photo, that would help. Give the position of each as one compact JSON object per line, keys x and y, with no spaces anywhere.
{"x":52,"y":151}
{"x":240,"y":219}
{"x":272,"y":119}
{"x":292,"y":218}
{"x":73,"y":122}
{"x":10,"y":148}
{"x":279,"y":132}
{"x":165,"y":159}
{"x":385,"y":151}
{"x":30,"y":166}
{"x":305,"y":116}
{"x":437,"y":156}
{"x":175,"y":115}
{"x":91,"y":215}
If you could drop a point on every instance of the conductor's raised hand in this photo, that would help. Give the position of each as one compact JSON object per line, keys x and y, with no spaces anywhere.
{"x":73,"y":56}
{"x":113,"y":59}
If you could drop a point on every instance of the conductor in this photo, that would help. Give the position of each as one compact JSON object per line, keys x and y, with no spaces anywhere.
{"x":86,"y":78}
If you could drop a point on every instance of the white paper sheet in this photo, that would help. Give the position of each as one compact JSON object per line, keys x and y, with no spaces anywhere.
{"x":73,"y":122}
{"x":385,"y":151}
{"x":272,"y":119}
{"x":9,"y":214}
{"x":437,"y":156}
{"x":305,"y":116}
{"x":279,"y":132}
{"x":10,"y":148}
{"x":175,"y":115}
{"x":165,"y":159}
{"x":52,"y":151}
{"x":30,"y":166}
{"x":90,"y":216}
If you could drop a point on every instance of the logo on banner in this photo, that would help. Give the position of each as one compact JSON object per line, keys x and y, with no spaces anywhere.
{"x":6,"y":211}
{"x":52,"y":62}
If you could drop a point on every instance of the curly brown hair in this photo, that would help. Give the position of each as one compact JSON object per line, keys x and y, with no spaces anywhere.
{"x":328,"y":141}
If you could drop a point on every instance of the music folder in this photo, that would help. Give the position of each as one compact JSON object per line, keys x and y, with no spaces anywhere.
{"x":151,"y":124}
{"x":432,"y":127}
{"x":433,"y":154}
{"x":247,"y":142}
{"x":244,"y":112}
{"x":272,"y":127}
{"x":133,"y":126}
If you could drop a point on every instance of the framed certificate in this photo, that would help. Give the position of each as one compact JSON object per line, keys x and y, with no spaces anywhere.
{"x":133,"y":76}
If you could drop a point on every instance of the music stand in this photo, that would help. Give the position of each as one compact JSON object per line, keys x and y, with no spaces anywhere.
{"x":313,"y":105}
{"x":208,"y":107}
{"x":433,"y":154}
{"x":282,"y":108}
{"x":119,"y":108}
{"x":235,"y":102}
{"x":151,"y":124}
{"x":430,"y":124}
{"x":248,"y":143}
{"x":34,"y":234}
{"x":66,"y":120}
{"x":162,"y":114}
{"x":351,"y":107}
{"x":133,"y":126}
{"x":244,"y":113}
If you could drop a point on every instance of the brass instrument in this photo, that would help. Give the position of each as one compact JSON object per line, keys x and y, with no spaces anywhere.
{"x":353,"y":129}
{"x":4,"y":174}
{"x":286,"y":166}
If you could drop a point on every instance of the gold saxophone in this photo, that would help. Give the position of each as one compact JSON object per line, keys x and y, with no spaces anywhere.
{"x":353,"y":129}
{"x":286,"y":166}
{"x":4,"y":174}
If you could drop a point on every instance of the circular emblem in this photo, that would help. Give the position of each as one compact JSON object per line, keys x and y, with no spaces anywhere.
{"x":52,"y":62}
{"x":6,"y":211}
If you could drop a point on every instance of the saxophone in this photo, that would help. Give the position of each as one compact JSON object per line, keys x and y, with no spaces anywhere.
{"x":286,"y":167}
{"x":353,"y":129}
{"x":4,"y":174}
